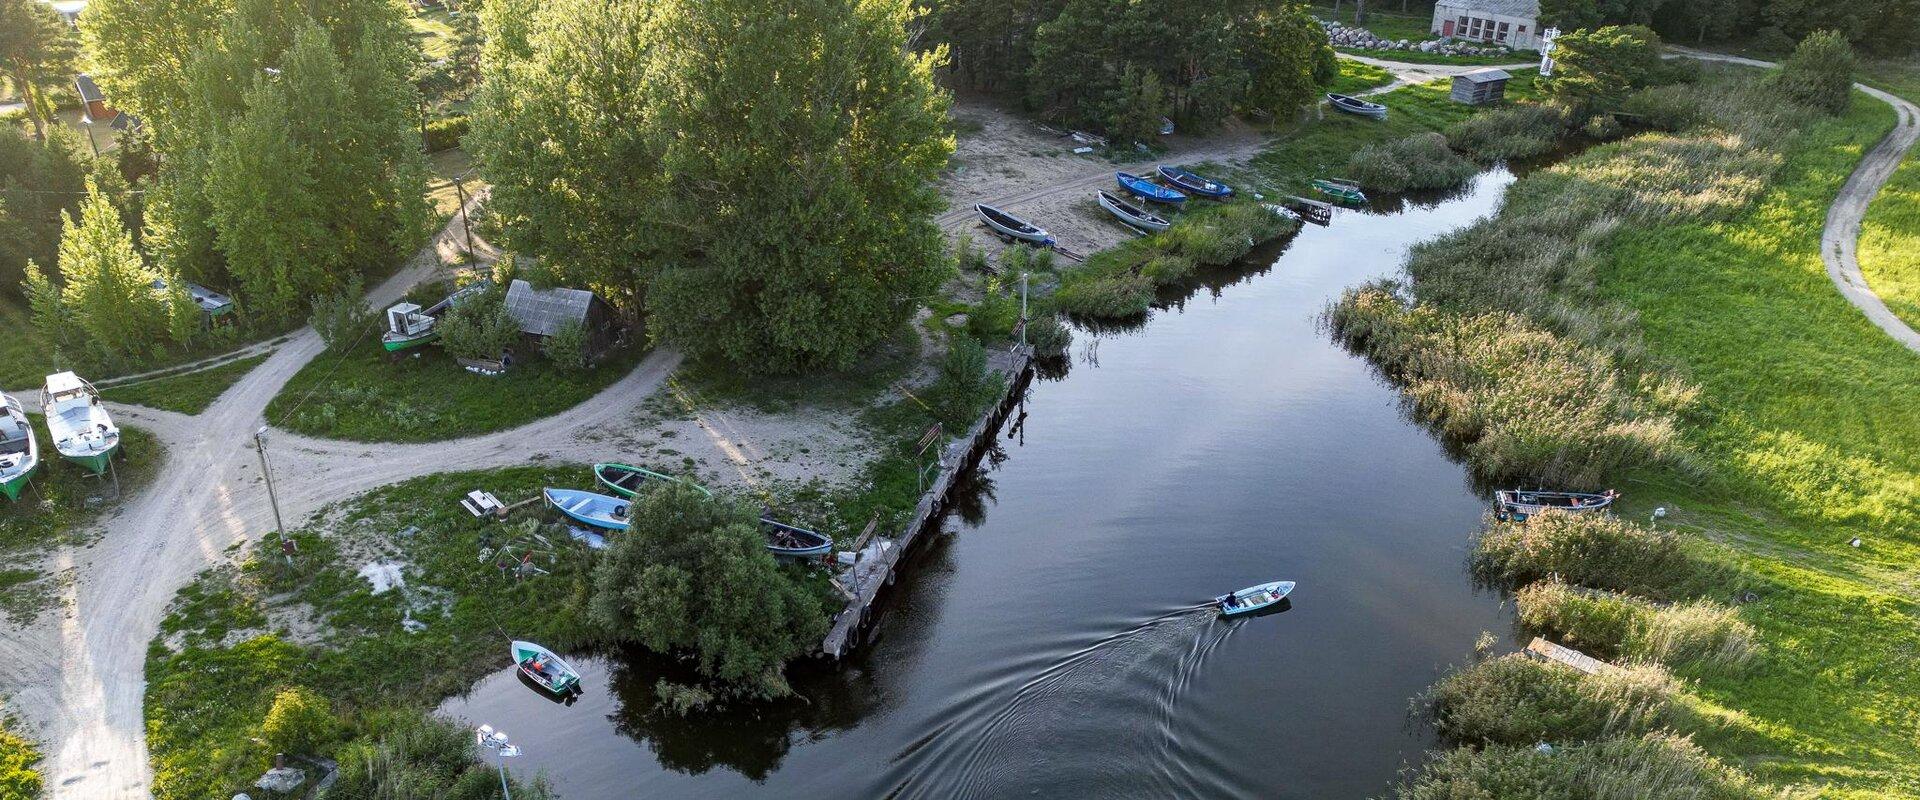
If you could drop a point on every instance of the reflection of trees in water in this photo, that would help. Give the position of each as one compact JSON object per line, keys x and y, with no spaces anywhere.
{"x":750,"y":738}
{"x":974,"y":492}
{"x":1421,"y":199}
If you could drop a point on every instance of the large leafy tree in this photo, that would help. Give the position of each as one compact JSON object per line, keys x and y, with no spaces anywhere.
{"x":36,"y":49}
{"x":38,"y":180}
{"x":107,"y":296}
{"x":763,"y":182}
{"x":693,"y":574}
{"x":1596,"y":69}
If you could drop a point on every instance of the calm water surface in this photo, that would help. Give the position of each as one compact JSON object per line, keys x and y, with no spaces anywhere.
{"x":1054,"y":643}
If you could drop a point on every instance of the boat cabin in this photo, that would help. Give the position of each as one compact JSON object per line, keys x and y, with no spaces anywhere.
{"x":66,"y":391}
{"x":407,"y":319}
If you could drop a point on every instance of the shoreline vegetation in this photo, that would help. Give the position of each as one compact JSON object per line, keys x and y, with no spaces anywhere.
{"x":1674,"y":277}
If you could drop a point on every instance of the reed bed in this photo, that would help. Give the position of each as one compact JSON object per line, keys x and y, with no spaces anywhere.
{"x":1594,"y":550}
{"x":1700,"y":635}
{"x":1516,"y":700}
{"x":1519,"y":131}
{"x":1119,"y":282}
{"x":1420,"y":161}
{"x":1653,"y":767}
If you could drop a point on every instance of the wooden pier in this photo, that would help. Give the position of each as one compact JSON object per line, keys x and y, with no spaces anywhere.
{"x":1548,"y":651}
{"x":956,"y":458}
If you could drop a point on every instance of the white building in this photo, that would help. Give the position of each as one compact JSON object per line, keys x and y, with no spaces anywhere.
{"x":1513,"y":23}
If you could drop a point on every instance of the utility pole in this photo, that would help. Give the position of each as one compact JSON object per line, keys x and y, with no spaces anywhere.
{"x":497,"y":742}
{"x":1023,"y":308}
{"x":260,"y":445}
{"x":466,"y":227}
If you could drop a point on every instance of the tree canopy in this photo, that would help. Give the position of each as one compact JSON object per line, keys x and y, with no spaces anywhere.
{"x":38,"y":181}
{"x":36,"y":49}
{"x":1594,"y":70}
{"x":762,"y":184}
{"x":1820,"y":73}
{"x":1873,"y":24}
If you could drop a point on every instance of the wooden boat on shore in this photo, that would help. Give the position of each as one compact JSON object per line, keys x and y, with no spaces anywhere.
{"x":627,"y":481}
{"x":410,"y":326}
{"x":1310,"y":210}
{"x":1011,"y":226}
{"x":543,"y":667}
{"x":1519,"y":504}
{"x":1253,"y":598}
{"x":794,"y":542}
{"x":1340,"y":189}
{"x":1355,"y":105}
{"x":1148,"y":190}
{"x":587,"y":508}
{"x":19,"y":448}
{"x":1131,"y":214}
{"x":81,"y":430}
{"x":1195,"y":184}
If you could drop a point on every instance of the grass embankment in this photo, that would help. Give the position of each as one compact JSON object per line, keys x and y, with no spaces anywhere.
{"x":1692,"y":259}
{"x":364,"y":395}
{"x":187,"y":393}
{"x":62,"y":499}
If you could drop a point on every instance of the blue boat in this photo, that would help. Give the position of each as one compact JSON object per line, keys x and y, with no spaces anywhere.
{"x":1148,"y":190}
{"x":794,"y":542}
{"x":1195,"y":184}
{"x":1253,"y":598}
{"x":588,"y":508}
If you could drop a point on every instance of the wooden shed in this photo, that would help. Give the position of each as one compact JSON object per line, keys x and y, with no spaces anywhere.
{"x":544,"y":312}
{"x":1481,"y":86}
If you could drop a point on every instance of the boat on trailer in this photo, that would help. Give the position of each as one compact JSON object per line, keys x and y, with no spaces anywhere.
{"x":81,"y":429}
{"x":1357,"y":106}
{"x":410,"y":326}
{"x":587,"y":508}
{"x":1340,"y":189}
{"x":1011,"y":226}
{"x":793,"y":541}
{"x":19,"y":448}
{"x":1517,"y":505}
{"x":543,"y":667}
{"x":1131,"y":214}
{"x":627,"y":480}
{"x":1148,"y":190}
{"x":1194,"y":183}
{"x":1253,"y":598}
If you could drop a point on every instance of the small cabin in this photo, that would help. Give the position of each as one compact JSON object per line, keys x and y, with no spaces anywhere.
{"x":545,"y":312}
{"x":93,"y":101}
{"x":1481,"y":87}
{"x":1512,"y":23}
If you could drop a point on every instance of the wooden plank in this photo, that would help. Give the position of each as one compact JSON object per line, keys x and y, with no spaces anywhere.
{"x":1541,"y":648}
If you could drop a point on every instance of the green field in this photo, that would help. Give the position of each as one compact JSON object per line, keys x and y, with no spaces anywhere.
{"x":1890,"y":235}
{"x":187,"y":393}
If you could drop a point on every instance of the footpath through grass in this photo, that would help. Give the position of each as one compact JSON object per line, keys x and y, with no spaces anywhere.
{"x":187,"y":393}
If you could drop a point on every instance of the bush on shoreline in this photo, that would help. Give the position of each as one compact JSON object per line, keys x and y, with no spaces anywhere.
{"x":1652,"y":767}
{"x":1420,"y":161}
{"x":1600,"y":551}
{"x":1519,"y":131}
{"x":1516,"y":700}
{"x":1609,"y":625}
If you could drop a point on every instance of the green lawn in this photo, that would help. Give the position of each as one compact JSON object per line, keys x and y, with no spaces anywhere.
{"x":1356,"y":77}
{"x":60,"y":501}
{"x":188,"y":393}
{"x":1890,"y":235}
{"x":363,"y":395}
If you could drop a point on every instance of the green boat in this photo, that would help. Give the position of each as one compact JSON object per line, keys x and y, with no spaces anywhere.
{"x":77,"y":423}
{"x":627,"y":481}
{"x":541,"y":666}
{"x":1340,"y":189}
{"x":19,"y":450}
{"x":408,"y":327}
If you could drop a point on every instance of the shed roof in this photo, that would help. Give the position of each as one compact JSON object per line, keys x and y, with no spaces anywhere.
{"x":89,"y":91}
{"x":1526,"y":9}
{"x":543,"y":312}
{"x":1488,"y":75}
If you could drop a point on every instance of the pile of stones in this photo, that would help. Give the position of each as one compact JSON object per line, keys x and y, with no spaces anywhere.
{"x":1361,"y":38}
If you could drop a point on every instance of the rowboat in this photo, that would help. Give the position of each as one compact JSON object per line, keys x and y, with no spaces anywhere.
{"x":1519,"y":504}
{"x":541,"y":666}
{"x":627,"y":481}
{"x":1194,"y":184}
{"x":794,"y":542}
{"x":588,"y":508}
{"x":1253,"y":598}
{"x":1009,"y":225}
{"x":77,"y":423}
{"x":19,"y":449}
{"x":1355,"y":105}
{"x":1131,"y":214}
{"x":1340,"y":189}
{"x":1313,"y":211}
{"x":1148,"y":190}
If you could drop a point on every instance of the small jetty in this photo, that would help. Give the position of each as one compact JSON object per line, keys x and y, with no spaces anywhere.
{"x":878,"y":558}
{"x":1548,"y":651}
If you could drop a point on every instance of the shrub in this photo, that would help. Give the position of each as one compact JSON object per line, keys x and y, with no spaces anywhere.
{"x":1517,"y":700}
{"x":1585,"y":549}
{"x":1601,"y":128}
{"x":18,"y":761}
{"x":963,"y":385}
{"x":1700,"y":633}
{"x":1421,"y":161}
{"x":300,"y":721}
{"x":1048,"y":335}
{"x":1108,"y":296}
{"x":1596,"y":68}
{"x":1651,"y":767}
{"x":567,"y":347}
{"x":342,"y":317}
{"x":1520,"y":131}
{"x":1819,"y":74}
{"x":1667,"y":108}
{"x":479,"y":328}
{"x":445,"y":133}
{"x":410,"y":754}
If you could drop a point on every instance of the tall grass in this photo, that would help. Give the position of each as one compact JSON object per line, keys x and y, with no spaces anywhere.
{"x":1523,"y":402}
{"x":1652,"y":767}
{"x":1699,"y":634}
{"x":1420,"y":161}
{"x":1118,"y":283}
{"x":1517,"y":700}
{"x":1518,"y":131}
{"x":1586,"y":549}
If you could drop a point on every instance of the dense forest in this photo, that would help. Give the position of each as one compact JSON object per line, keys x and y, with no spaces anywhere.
{"x":1885,"y":27}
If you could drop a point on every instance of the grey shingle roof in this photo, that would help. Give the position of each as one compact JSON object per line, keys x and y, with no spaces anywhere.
{"x":1509,"y":8}
{"x":87,"y":89}
{"x":543,"y":312}
{"x":1486,"y":75}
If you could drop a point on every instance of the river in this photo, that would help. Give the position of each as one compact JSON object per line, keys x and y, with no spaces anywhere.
{"x":1054,"y":643}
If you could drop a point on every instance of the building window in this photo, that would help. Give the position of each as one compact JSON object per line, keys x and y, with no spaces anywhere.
{"x":1503,"y":32}
{"x":1522,"y":30}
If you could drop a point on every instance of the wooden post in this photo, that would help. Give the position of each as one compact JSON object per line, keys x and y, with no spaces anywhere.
{"x":466,"y":227}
